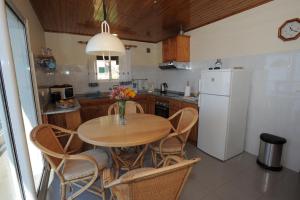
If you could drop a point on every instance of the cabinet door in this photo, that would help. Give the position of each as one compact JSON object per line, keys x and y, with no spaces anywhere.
{"x":90,"y":112}
{"x":183,"y":48}
{"x":173,"y":49}
{"x":151,"y":105}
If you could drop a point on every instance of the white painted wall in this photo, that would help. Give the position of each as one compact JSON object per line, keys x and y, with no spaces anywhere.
{"x":69,"y":54}
{"x":36,"y":31}
{"x":249,"y":33}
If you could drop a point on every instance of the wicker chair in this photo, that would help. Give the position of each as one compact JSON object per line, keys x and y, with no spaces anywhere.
{"x":128,"y":157}
{"x":175,"y":142}
{"x":131,"y":107}
{"x":80,"y":170}
{"x":165,"y":183}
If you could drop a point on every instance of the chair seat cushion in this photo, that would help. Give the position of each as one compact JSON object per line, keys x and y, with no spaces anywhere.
{"x":172,"y":145}
{"x":80,"y":168}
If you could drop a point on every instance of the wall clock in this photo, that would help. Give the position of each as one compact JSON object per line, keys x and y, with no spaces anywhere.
{"x":289,"y":30}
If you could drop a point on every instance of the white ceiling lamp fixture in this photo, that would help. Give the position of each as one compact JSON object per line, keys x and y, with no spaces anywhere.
{"x":105,"y":43}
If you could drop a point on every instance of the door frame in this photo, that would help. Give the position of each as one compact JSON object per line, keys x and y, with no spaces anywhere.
{"x":14,"y":106}
{"x":42,"y":188}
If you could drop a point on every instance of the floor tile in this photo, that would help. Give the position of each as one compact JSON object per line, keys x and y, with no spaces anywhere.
{"x":239,"y":178}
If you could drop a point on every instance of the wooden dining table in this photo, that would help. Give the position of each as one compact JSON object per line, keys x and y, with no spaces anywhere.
{"x":139,"y":130}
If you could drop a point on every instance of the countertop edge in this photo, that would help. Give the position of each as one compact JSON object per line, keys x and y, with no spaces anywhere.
{"x":51,"y":109}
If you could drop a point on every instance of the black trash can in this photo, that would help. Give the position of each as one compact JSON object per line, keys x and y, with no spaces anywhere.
{"x":270,"y":151}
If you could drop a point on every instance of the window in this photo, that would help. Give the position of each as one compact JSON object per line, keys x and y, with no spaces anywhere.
{"x":106,"y":71}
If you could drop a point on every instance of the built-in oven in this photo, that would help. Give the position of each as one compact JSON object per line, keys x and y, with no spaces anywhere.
{"x":162,"y":109}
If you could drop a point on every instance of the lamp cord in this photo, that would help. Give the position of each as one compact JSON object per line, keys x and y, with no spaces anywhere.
{"x":104,"y":11}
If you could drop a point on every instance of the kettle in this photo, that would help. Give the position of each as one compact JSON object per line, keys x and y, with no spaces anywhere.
{"x":163,"y":87}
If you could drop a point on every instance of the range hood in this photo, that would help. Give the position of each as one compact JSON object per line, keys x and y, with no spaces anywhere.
{"x":175,"y":66}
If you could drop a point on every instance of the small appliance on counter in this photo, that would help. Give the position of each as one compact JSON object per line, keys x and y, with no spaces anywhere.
{"x":187,"y":90}
{"x":58,"y":92}
{"x":163,"y":88}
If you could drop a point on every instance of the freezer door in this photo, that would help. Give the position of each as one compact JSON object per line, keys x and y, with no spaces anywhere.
{"x":215,"y":82}
{"x":213,"y":118}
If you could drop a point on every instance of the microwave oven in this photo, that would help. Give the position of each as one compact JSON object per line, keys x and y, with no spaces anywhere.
{"x":62,"y":91}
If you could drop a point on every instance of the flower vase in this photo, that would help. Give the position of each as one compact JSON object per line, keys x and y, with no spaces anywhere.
{"x":122,"y":105}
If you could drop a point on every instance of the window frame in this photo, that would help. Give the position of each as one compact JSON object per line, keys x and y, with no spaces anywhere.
{"x":107,"y":58}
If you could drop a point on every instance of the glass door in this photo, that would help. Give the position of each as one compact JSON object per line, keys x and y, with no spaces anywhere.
{"x":20,"y":52}
{"x":10,"y":185}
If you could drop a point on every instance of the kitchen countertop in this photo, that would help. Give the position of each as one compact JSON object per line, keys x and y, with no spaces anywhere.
{"x":170,"y":94}
{"x":51,"y":108}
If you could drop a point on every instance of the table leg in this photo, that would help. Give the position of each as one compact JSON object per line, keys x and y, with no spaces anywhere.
{"x":128,"y":164}
{"x":116,"y":162}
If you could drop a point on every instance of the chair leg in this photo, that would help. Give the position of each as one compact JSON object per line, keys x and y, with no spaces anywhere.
{"x":154,"y":158}
{"x":62,"y":191}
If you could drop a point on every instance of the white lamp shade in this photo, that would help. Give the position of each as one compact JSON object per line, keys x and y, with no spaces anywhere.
{"x":105,"y":43}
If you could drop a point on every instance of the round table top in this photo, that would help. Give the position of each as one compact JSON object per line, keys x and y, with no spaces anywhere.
{"x":139,"y":129}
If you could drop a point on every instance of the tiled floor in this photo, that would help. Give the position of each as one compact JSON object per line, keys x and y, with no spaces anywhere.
{"x":237,"y":179}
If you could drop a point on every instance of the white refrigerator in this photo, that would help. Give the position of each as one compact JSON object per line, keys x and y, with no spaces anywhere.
{"x":223,"y":105}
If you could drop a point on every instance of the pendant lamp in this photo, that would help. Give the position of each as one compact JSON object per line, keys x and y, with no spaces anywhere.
{"x":105,"y":43}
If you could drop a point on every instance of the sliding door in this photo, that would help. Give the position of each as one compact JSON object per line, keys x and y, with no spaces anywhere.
{"x":17,"y":111}
{"x":10,"y":184}
{"x":19,"y":46}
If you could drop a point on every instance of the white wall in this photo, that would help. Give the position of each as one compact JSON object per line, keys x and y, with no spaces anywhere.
{"x":69,"y":54}
{"x":248,"y":33}
{"x":36,"y":31}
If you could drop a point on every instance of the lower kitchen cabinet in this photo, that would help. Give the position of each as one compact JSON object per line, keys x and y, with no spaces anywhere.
{"x":93,"y":108}
{"x":70,"y":121}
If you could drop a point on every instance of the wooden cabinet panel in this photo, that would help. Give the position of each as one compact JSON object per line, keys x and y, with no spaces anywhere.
{"x":70,"y":121}
{"x":89,"y":112}
{"x":183,"y":48}
{"x":176,"y":49}
{"x":93,"y":108}
{"x":151,"y":105}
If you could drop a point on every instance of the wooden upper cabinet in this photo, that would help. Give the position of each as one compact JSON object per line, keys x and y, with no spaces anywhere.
{"x":176,"y":49}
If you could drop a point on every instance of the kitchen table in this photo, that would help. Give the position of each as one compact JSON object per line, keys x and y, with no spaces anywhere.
{"x":139,"y":130}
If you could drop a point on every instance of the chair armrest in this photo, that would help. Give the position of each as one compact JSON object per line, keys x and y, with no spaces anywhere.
{"x":62,"y":129}
{"x":170,"y":159}
{"x":107,"y":177}
{"x":108,"y":180}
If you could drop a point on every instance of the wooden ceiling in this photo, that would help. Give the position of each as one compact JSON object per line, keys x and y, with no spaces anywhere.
{"x":141,"y":20}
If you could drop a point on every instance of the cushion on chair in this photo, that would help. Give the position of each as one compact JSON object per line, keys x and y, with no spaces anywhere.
{"x":80,"y":168}
{"x":170,"y":146}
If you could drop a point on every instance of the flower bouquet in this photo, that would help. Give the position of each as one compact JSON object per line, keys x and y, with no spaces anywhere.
{"x":122,"y":94}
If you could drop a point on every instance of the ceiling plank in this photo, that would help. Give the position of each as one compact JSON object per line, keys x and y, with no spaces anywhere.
{"x":134,"y":19}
